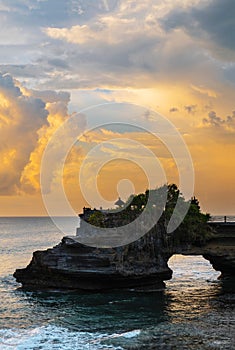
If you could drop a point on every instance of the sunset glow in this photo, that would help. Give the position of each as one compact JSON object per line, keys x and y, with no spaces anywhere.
{"x":176,"y":58}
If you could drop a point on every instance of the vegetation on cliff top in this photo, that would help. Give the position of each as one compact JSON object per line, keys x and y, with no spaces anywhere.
{"x":194,"y":228}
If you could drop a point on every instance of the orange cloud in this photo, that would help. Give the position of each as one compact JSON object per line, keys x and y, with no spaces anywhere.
{"x":20,"y":118}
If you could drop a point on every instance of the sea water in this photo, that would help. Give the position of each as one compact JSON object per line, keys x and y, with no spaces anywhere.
{"x":196,"y":310}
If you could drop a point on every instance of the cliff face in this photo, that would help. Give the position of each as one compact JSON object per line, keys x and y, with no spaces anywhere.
{"x":221,"y":250}
{"x":72,"y":265}
{"x":141,"y":264}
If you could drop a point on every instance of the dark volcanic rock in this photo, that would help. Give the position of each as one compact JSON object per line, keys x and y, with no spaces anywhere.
{"x":72,"y":265}
{"x":221,"y":250}
{"x":222,"y":262}
{"x":141,"y":264}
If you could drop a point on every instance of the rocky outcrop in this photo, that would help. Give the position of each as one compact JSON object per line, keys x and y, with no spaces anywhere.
{"x":225,"y":263}
{"x":72,"y":265}
{"x":221,"y":250}
{"x":141,"y":264}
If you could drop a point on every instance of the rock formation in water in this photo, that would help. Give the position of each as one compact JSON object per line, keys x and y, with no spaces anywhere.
{"x":141,"y":264}
{"x":72,"y":265}
{"x":220,"y":251}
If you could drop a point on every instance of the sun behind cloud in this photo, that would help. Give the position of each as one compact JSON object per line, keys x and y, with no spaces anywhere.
{"x":176,"y":58}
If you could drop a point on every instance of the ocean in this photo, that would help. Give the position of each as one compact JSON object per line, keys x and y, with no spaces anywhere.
{"x":195,"y":311}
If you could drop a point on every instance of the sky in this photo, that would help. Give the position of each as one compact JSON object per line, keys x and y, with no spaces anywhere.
{"x":126,"y":61}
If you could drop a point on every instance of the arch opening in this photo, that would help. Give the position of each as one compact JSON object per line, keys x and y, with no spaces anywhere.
{"x":191,"y":270}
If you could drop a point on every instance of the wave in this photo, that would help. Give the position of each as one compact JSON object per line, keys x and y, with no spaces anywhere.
{"x":51,"y":337}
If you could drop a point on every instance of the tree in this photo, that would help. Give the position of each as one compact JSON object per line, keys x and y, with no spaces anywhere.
{"x":97,"y":219}
{"x":193,"y":230}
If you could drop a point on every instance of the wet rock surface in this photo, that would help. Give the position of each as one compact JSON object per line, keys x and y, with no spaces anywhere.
{"x":72,"y":265}
{"x":141,"y":264}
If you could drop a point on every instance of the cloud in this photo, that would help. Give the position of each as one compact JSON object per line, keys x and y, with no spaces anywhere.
{"x":204,"y":91}
{"x":139,"y":59}
{"x":173,"y":110}
{"x":102,"y":43}
{"x":107,"y":44}
{"x":28,"y":119}
{"x":21,"y":117}
{"x":49,"y":96}
{"x":105,"y":30}
{"x":127,"y":48}
{"x":212,"y":21}
{"x":22,"y":42}
{"x":21,"y":70}
{"x":57,"y":107}
{"x":164,"y":54}
{"x":7,"y":86}
{"x":191,"y":109}
{"x":214,"y":120}
{"x":36,"y":14}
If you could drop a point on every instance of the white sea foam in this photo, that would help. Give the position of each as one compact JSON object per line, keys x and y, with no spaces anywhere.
{"x":127,"y":335}
{"x":52,"y":338}
{"x":131,"y":334}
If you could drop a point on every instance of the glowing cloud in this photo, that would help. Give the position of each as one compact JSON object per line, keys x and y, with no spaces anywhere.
{"x":20,"y":118}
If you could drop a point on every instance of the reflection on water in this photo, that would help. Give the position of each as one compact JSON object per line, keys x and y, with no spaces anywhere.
{"x":185,"y":315}
{"x":196,"y":311}
{"x":192,"y":289}
{"x":88,"y":312}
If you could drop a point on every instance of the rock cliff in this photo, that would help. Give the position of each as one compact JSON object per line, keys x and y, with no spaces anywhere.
{"x":141,"y":264}
{"x":220,"y":251}
{"x":72,"y":265}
